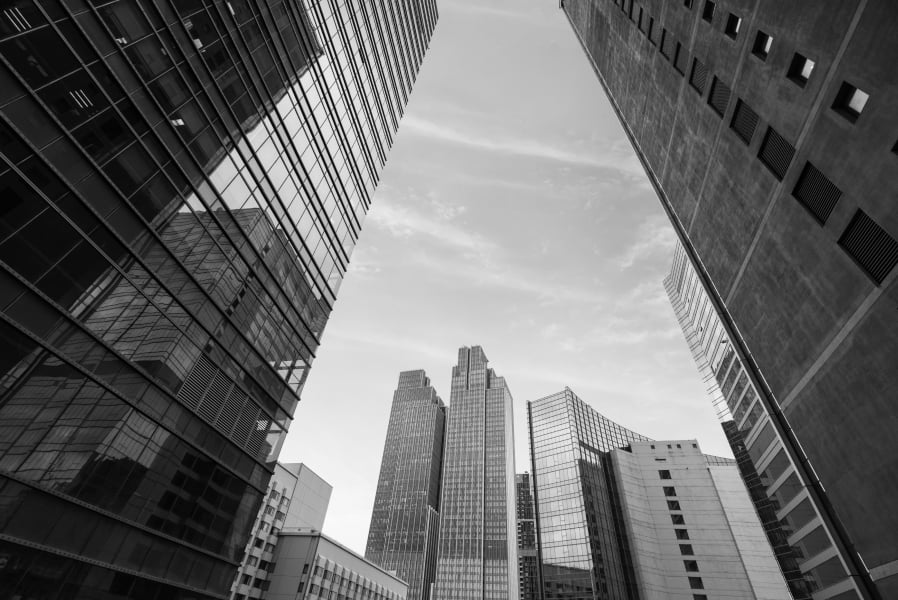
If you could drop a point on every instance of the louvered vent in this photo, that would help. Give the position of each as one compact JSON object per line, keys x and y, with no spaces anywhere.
{"x":245,"y":423}
{"x":256,"y":444}
{"x":870,"y":246}
{"x":745,"y":120}
{"x":230,"y":410}
{"x":196,"y":383}
{"x":666,"y":42}
{"x":719,"y":97}
{"x":680,"y":59}
{"x":776,"y":153}
{"x":816,"y":193}
{"x":699,"y":77}
{"x":215,"y":397}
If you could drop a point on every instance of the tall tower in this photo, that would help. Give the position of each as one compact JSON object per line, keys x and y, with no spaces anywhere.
{"x":768,"y":132}
{"x":405,"y":520}
{"x":477,"y":559}
{"x":182,"y":185}
{"x":528,"y":559}
{"x":621,"y":517}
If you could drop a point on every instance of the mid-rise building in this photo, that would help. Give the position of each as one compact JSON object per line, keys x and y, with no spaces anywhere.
{"x":182,"y":186}
{"x":477,"y":556}
{"x":311,"y":566}
{"x":405,"y":519}
{"x":620,"y":516}
{"x":528,"y":559}
{"x":769,"y":134}
{"x":297,"y":498}
{"x":789,"y":500}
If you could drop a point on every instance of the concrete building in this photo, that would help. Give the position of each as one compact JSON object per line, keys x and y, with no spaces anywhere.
{"x":297,"y":498}
{"x":791,"y":504}
{"x":528,"y":557}
{"x":310,"y":565}
{"x":620,"y":516}
{"x":405,"y":520}
{"x":477,"y":556}
{"x":768,"y":131}
{"x":182,"y":187}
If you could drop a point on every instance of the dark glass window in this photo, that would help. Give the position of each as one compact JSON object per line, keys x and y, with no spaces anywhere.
{"x":800,"y":69}
{"x":691,"y":565}
{"x":670,"y":491}
{"x":682,"y":534}
{"x":664,"y":474}
{"x":762,"y":45}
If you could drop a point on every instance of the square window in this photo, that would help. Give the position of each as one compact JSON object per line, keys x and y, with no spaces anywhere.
{"x":762,"y":45}
{"x":664,"y":474}
{"x":733,"y":25}
{"x":679,"y":63}
{"x":679,"y":446}
{"x":850,"y":101}
{"x":708,"y":11}
{"x":673,"y":505}
{"x":686,"y":550}
{"x":691,"y":565}
{"x":687,"y":4}
{"x":699,"y":597}
{"x":670,"y":491}
{"x":696,"y":583}
{"x":682,"y":534}
{"x":800,"y":69}
{"x":677,"y":519}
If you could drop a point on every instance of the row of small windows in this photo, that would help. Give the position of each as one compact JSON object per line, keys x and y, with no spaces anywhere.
{"x":873,"y":249}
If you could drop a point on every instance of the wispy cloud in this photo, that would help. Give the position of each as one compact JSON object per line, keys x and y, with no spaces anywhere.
{"x":654,"y":237}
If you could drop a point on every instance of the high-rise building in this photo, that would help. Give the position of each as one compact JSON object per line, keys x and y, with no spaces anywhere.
{"x":477,"y":558}
{"x":528,"y":560}
{"x":793,"y":516}
{"x":297,"y":498}
{"x":405,"y":519}
{"x":614,"y":508}
{"x":768,"y":133}
{"x":182,"y":185}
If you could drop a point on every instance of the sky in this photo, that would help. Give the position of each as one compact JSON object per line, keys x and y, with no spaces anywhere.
{"x":514,"y":215}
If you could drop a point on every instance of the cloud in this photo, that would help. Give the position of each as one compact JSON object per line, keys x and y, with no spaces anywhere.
{"x":615,"y":157}
{"x":654,"y":236}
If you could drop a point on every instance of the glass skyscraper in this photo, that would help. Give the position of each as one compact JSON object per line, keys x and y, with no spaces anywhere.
{"x":405,"y":520}
{"x":528,"y":559}
{"x":477,"y":558}
{"x":182,"y":185}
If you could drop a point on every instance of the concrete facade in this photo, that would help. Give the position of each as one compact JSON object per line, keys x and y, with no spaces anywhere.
{"x":310,"y":566}
{"x":768,"y":131}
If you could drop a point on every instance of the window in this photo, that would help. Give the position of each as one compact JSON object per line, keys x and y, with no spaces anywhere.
{"x":664,"y":474}
{"x":850,"y":101}
{"x":670,"y":491}
{"x":305,"y":568}
{"x":679,"y":446}
{"x":246,"y":580}
{"x":800,"y":69}
{"x":673,"y":505}
{"x":651,"y":31}
{"x":697,"y":79}
{"x":269,"y":510}
{"x":718,"y":100}
{"x":691,"y":566}
{"x":744,"y":122}
{"x":269,"y":547}
{"x":653,"y":445}
{"x":686,"y":550}
{"x":895,"y":148}
{"x":664,"y":47}
{"x":699,"y":596}
{"x":816,"y":193}
{"x":258,"y":543}
{"x":761,"y":47}
{"x":776,"y":153}
{"x":871,"y":246}
{"x":302,"y":585}
{"x":708,"y":11}
{"x":252,"y":561}
{"x":733,"y":25}
{"x":687,"y":4}
{"x":682,"y":534}
{"x":677,"y":519}
{"x":696,"y":583}
{"x":679,"y":63}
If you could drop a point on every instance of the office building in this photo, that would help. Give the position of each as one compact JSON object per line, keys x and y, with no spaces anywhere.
{"x":768,"y":132}
{"x":182,"y":184}
{"x":614,"y":508}
{"x":297,"y":498}
{"x":405,"y":519}
{"x":477,"y":556}
{"x":792,"y":515}
{"x":309,"y":565}
{"x":528,"y":559}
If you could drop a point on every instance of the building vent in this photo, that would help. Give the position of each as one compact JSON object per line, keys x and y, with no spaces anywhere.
{"x":745,"y":120}
{"x":666,"y":42}
{"x":816,"y":193}
{"x":870,"y":246}
{"x":699,"y":77}
{"x":719,"y":97}
{"x":776,"y":153}
{"x":680,"y":59}
{"x":197,"y":381}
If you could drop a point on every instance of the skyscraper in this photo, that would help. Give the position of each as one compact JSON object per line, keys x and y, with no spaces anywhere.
{"x":477,"y":558}
{"x":528,"y":559}
{"x":182,"y":184}
{"x":768,"y":132}
{"x":789,"y":501}
{"x":405,"y":520}
{"x":614,"y":511}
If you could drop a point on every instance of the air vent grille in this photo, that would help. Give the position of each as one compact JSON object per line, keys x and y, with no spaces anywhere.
{"x":745,"y":121}
{"x":816,"y":193}
{"x":776,"y":153}
{"x":699,"y":77}
{"x":719,"y":97}
{"x":870,"y":246}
